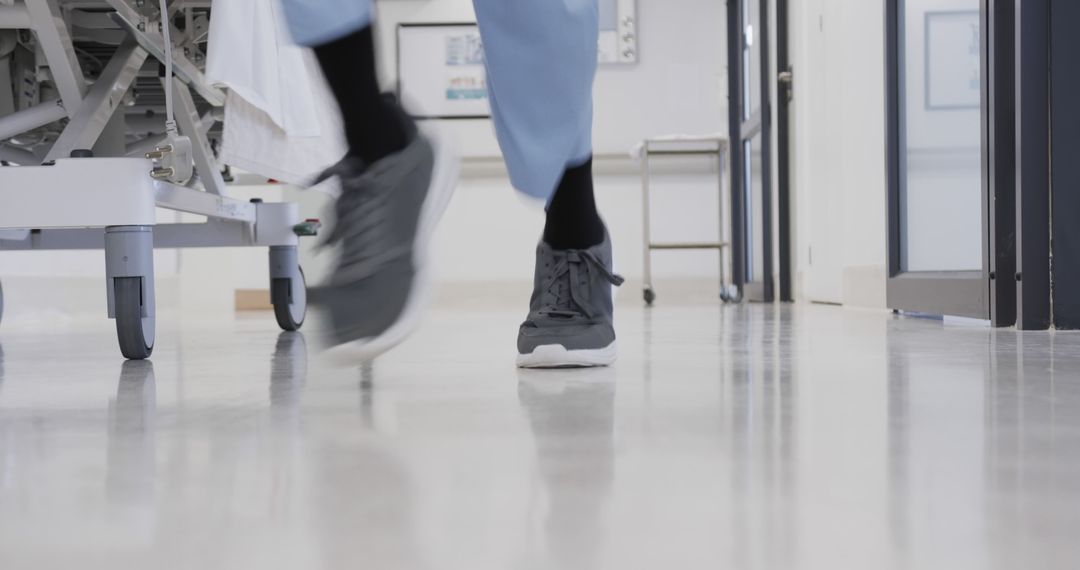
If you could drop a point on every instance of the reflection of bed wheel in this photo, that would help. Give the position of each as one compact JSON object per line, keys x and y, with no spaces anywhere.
{"x":135,"y":332}
{"x":649,"y":296}
{"x":289,"y":296}
{"x":1,"y":302}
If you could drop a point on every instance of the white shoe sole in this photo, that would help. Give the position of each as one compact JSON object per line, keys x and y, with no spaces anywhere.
{"x":444,"y":177}
{"x":557,"y":356}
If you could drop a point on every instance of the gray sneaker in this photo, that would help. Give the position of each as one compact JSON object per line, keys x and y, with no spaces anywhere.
{"x":385,"y":218}
{"x":570,"y":313}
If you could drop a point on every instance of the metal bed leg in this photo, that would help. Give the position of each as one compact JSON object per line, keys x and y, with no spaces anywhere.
{"x":190,"y":123}
{"x":55,"y":41}
{"x":728,"y":293}
{"x":649,"y":293}
{"x":720,"y":225}
{"x":100,"y":103}
{"x":288,"y":289}
{"x":129,"y":276}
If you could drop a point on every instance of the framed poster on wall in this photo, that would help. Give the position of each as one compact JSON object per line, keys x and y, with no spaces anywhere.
{"x":441,"y":65}
{"x":441,"y":71}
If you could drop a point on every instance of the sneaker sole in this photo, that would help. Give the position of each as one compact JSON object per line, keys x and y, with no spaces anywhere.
{"x":444,"y":177}
{"x":557,"y":356}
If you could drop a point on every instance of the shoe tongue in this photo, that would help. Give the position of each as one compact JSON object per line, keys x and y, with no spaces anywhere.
{"x":573,"y":256}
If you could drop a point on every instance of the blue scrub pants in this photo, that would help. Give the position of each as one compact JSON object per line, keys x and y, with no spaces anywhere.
{"x":541,"y":61}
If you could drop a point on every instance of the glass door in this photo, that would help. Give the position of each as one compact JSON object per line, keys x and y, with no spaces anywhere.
{"x":750,"y":128}
{"x":940,"y":101}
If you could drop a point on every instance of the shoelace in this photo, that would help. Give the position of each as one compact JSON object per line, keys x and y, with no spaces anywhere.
{"x":564,"y":286}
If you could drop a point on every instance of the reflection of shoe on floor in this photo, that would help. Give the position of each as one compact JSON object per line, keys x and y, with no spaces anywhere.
{"x":386,"y":215}
{"x":558,"y":384}
{"x":570,"y":314}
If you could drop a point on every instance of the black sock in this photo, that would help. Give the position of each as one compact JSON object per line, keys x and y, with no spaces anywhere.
{"x":572,"y":219}
{"x":373,"y":124}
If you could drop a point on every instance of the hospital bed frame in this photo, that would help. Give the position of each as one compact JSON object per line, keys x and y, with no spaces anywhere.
{"x":70,"y":199}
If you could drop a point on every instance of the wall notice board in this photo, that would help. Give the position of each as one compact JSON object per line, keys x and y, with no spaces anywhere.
{"x":441,"y":65}
{"x":441,"y":71}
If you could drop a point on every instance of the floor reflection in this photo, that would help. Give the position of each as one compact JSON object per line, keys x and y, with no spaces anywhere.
{"x":984,"y":469}
{"x":358,"y":479}
{"x":288,"y":376}
{"x":745,"y":437}
{"x":367,"y":395}
{"x":130,"y":450}
{"x":1032,"y":449}
{"x":761,"y":412}
{"x":572,"y":417}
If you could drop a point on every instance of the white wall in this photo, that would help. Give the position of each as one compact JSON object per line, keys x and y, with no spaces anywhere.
{"x":489,"y":232}
{"x":678,"y":85}
{"x":839,"y":150}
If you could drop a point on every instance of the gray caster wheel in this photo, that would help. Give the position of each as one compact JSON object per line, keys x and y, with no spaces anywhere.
{"x":135,"y":332}
{"x":129,"y":268}
{"x":288,"y":288}
{"x":727,"y":296}
{"x":649,"y":296}
{"x":289,"y":297}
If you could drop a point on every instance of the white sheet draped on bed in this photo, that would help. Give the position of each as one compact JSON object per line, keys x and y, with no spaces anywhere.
{"x":281,"y":120}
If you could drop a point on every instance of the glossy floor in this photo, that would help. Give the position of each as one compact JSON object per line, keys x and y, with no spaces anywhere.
{"x":809,"y":437}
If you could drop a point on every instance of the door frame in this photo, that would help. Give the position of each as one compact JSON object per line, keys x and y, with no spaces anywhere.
{"x":1065,"y":174}
{"x":980,"y":293}
{"x":1033,"y":148}
{"x":740,"y":131}
{"x":784,"y":95}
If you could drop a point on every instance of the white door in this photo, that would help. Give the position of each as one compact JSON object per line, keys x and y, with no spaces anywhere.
{"x":815,"y":114}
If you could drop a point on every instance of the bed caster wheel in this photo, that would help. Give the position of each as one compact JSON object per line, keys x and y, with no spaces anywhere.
{"x":135,"y":332}
{"x":728,"y":297}
{"x":129,"y":269}
{"x":649,"y":296}
{"x":289,"y":296}
{"x":288,"y":288}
